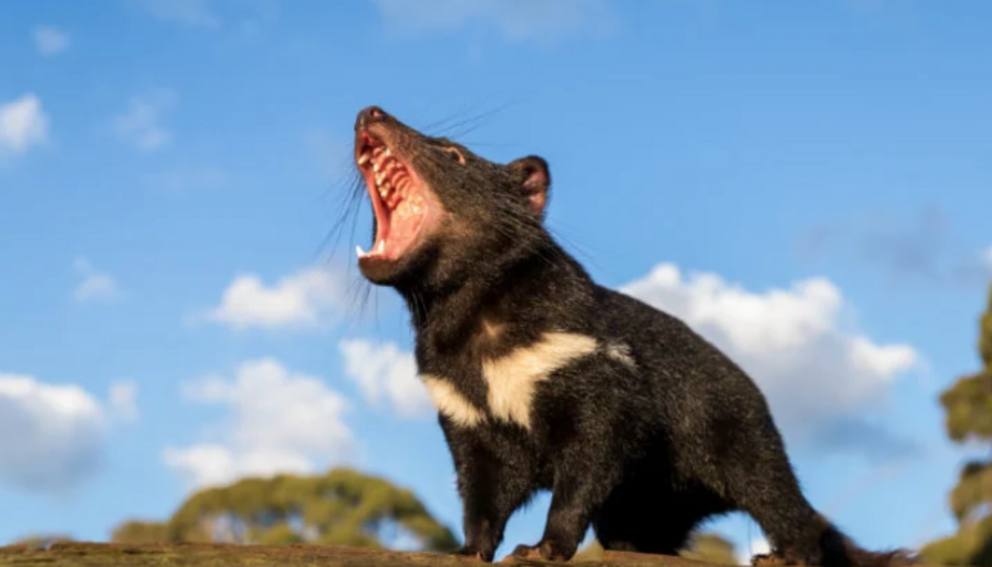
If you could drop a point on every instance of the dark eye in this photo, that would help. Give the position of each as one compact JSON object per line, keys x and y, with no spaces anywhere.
{"x":455,"y":155}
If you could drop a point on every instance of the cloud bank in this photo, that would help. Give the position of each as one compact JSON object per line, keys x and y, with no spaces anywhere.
{"x":384,"y":373}
{"x":51,"y":436}
{"x":50,"y":41}
{"x":23,"y":125}
{"x":276,"y":421}
{"x":309,"y":298}
{"x":820,"y":377}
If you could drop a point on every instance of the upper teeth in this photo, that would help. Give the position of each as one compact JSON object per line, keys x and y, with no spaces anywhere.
{"x":386,"y":170}
{"x":391,"y":180}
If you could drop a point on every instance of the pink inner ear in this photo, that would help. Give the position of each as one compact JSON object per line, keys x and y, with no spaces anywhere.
{"x":537,"y":201}
{"x":536,"y":187}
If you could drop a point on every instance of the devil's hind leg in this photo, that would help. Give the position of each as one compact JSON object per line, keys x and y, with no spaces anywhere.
{"x":765,"y":486}
{"x":651,"y":517}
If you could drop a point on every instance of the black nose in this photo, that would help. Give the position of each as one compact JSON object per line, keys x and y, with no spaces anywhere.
{"x":369,"y":115}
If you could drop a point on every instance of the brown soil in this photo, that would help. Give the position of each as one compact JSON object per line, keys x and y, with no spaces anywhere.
{"x":217,"y":555}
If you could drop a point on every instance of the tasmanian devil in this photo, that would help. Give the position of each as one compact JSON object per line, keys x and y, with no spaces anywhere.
{"x":545,"y":380}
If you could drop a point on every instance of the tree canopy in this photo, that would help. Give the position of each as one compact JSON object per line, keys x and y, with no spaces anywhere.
{"x":41,"y":540}
{"x":711,"y":548}
{"x":968,"y":407}
{"x":703,"y":546}
{"x":341,"y":507}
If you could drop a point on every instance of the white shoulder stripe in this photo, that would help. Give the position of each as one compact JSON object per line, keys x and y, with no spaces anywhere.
{"x":512,"y":378}
{"x":450,"y":402}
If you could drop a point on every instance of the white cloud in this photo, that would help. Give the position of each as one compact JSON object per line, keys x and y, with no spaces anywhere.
{"x":51,"y":436}
{"x":516,"y":19}
{"x":308,"y":298}
{"x":385,"y":371}
{"x":193,"y":13}
{"x":23,"y":124}
{"x":814,"y":372}
{"x":49,"y":40}
{"x":95,"y":285}
{"x":124,"y":399}
{"x":140,"y":125}
{"x":279,"y":421}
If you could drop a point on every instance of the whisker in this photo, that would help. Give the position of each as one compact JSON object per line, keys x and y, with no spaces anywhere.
{"x":475,"y":121}
{"x":584,"y":251}
{"x":350,"y":202}
{"x":472,"y":144}
{"x":457,"y":115}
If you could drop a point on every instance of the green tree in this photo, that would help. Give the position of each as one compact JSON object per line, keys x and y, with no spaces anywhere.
{"x":704,"y":546}
{"x":711,"y":548}
{"x":342,"y":507}
{"x":968,"y":407}
{"x":41,"y":540}
{"x":139,"y":531}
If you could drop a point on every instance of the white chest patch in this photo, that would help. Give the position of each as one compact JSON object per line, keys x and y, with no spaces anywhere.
{"x":511,"y":379}
{"x":450,"y":402}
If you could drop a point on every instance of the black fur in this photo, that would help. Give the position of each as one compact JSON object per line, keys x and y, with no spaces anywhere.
{"x":642,"y":450}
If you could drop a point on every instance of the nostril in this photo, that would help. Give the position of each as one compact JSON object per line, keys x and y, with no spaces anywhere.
{"x":368,"y":115}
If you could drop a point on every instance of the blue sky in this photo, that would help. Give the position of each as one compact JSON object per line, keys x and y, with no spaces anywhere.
{"x":805,"y":183}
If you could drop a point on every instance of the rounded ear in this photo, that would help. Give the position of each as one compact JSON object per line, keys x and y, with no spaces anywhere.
{"x":532,"y":174}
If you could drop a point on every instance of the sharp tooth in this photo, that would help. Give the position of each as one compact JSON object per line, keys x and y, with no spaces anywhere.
{"x":387,"y":152}
{"x":364,"y":158}
{"x":375,"y":166}
{"x":359,"y":251}
{"x":381,"y":247}
{"x":379,"y":177}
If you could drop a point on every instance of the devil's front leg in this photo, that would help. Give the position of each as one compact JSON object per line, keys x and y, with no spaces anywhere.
{"x":494,"y":479}
{"x":586,"y":469}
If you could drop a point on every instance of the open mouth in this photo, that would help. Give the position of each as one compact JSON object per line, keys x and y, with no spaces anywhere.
{"x":398,"y":200}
